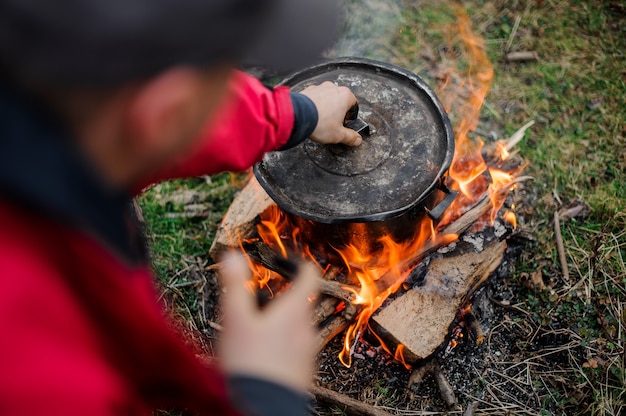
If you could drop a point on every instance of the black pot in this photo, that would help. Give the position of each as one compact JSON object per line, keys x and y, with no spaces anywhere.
{"x":338,"y":194}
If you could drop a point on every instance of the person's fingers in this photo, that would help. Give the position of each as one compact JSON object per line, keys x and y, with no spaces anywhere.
{"x":351,"y":137}
{"x":235,"y":278}
{"x":304,"y":287}
{"x":347,"y":96}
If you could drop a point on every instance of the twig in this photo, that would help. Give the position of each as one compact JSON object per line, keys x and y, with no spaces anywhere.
{"x":508,"y":306}
{"x":337,"y":289}
{"x":560,"y":248}
{"x":215,"y":325}
{"x":509,"y":42}
{"x":518,"y":135}
{"x":330,"y":331}
{"x":471,"y":409}
{"x":522,"y":56}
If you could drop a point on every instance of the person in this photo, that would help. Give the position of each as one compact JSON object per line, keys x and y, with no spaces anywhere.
{"x":99,"y":99}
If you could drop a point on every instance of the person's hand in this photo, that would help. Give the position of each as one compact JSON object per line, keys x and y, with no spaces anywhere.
{"x":332,"y":104}
{"x":276,"y":343}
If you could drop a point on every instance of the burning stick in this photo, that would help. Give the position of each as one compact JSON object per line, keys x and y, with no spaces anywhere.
{"x":263,"y":254}
{"x":325,"y":308}
{"x":474,"y":327}
{"x":331,"y":330}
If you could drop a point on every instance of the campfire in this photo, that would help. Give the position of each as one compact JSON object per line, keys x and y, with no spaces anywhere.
{"x":413,"y":293}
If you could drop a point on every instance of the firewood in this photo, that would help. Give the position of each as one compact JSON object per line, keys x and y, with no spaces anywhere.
{"x":421,"y":317}
{"x":347,"y":404}
{"x":418,"y":374}
{"x":325,"y":307}
{"x":241,"y":217}
{"x":447,"y":393}
{"x":455,"y":228}
{"x":331,"y":330}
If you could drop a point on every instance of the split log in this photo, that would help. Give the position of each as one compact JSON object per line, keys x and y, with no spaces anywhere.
{"x":420,"y":319}
{"x":347,"y":404}
{"x":241,"y":217}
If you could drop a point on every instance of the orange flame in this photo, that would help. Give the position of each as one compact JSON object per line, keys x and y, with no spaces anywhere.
{"x":381,"y":267}
{"x":378,"y":270}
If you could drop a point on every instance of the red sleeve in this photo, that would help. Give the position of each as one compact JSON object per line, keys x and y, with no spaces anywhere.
{"x":82,"y":334}
{"x":49,"y":360}
{"x":253,"y":121}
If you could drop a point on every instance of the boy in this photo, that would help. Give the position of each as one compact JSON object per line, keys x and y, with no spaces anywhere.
{"x":98,"y":100}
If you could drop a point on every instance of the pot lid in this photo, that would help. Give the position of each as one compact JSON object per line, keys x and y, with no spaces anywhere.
{"x":408,"y":150}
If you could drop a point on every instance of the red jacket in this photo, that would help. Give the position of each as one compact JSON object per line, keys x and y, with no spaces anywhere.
{"x":80,"y":329}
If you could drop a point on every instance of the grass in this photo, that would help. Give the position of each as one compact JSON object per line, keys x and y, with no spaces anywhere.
{"x":572,"y":335}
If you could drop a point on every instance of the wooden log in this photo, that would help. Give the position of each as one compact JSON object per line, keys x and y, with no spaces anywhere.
{"x":241,"y":217}
{"x":420,"y":318}
{"x":331,"y":330}
{"x":347,"y":404}
{"x":325,"y":307}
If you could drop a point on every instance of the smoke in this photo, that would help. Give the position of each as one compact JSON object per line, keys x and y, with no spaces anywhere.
{"x":368,"y":26}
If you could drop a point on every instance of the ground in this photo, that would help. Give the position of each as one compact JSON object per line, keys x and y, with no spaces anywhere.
{"x":554,"y":345}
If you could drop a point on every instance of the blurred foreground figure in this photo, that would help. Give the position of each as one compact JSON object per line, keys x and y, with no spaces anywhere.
{"x":99,"y":99}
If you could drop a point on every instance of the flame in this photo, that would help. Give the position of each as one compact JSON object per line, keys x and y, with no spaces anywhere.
{"x":379,"y":271}
{"x":382,"y":265}
{"x":509,"y":216}
{"x":399,"y":356}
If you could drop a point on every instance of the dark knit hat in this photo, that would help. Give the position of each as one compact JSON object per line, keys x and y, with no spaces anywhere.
{"x":104,"y":42}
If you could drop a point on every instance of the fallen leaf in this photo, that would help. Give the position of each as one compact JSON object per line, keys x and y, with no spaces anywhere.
{"x":574,"y":209}
{"x":591,"y":363}
{"x":533,"y":280}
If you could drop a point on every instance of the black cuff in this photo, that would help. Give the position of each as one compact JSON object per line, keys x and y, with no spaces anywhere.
{"x":305,"y":120}
{"x":256,"y":397}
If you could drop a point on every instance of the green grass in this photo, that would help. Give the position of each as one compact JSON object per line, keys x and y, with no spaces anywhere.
{"x":576,"y":94}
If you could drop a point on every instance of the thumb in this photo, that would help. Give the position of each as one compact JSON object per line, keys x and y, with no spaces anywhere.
{"x":351,"y":137}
